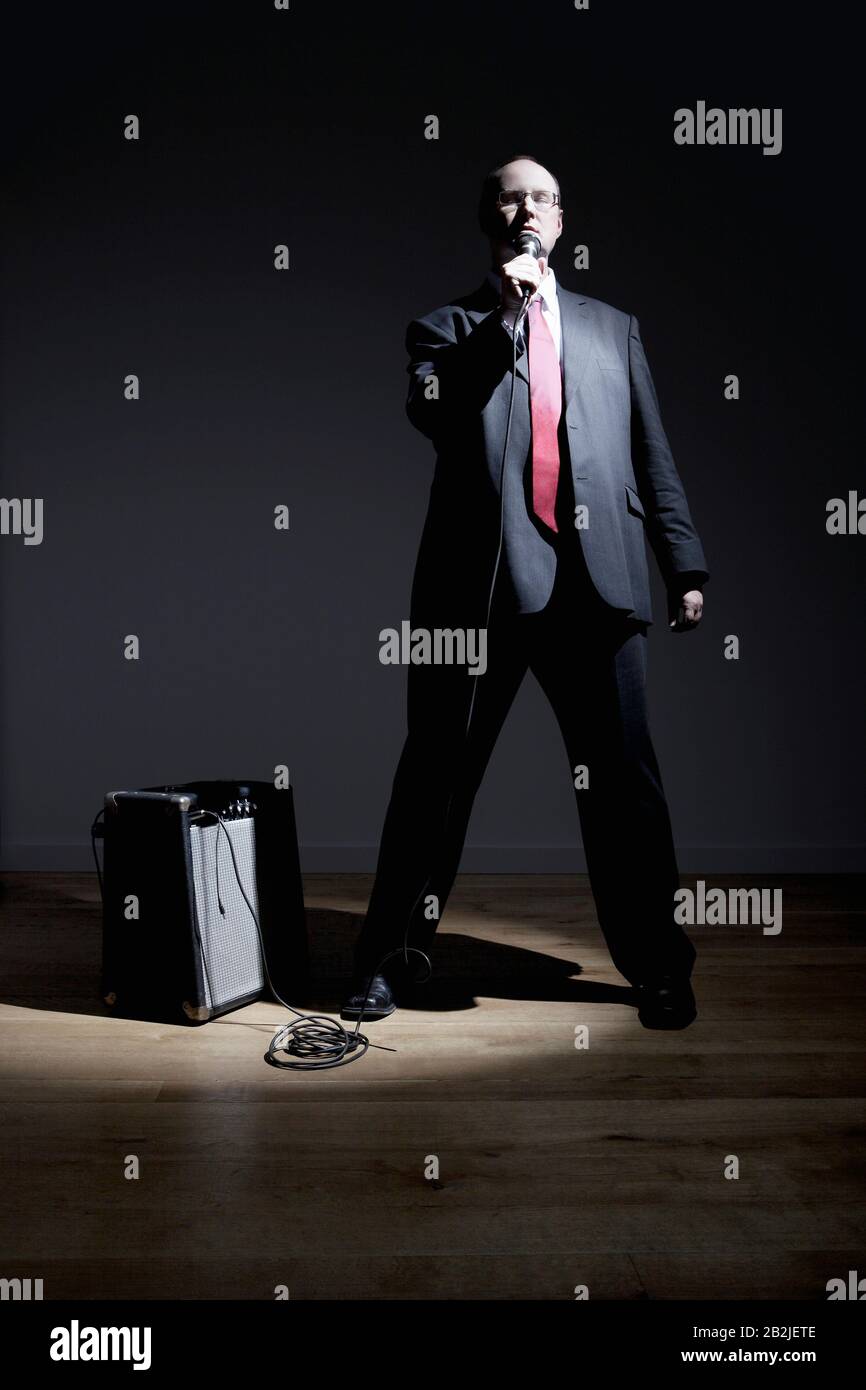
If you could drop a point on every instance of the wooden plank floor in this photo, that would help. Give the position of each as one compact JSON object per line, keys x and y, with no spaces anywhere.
{"x":558,"y":1166}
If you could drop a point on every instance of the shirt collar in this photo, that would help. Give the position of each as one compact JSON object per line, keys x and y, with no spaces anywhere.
{"x":547,"y":288}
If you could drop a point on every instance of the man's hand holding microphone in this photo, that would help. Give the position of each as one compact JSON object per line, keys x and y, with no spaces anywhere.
{"x":525,"y":271}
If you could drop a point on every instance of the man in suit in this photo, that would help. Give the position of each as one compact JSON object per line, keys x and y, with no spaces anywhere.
{"x":561,"y":521}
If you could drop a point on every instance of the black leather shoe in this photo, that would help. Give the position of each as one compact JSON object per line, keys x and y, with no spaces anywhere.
{"x":668,"y":1002}
{"x":377,"y":1002}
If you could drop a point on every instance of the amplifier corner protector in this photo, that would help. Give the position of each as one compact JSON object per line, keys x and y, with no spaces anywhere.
{"x":198,"y":1012}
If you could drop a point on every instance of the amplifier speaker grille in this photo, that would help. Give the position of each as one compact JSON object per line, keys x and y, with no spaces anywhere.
{"x":231,"y":954}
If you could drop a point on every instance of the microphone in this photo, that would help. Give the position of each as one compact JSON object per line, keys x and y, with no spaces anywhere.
{"x":528,"y":243}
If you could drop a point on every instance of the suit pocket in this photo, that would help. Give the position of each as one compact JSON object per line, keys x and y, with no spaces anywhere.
{"x":610,"y":365}
{"x":634,"y":503}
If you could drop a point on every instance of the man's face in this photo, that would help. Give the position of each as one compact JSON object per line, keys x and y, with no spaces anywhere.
{"x":526,"y":216}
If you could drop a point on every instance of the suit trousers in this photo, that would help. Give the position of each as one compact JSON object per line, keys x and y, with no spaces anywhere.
{"x":590,"y":661}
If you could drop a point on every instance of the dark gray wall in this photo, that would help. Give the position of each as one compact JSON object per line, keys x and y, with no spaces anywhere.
{"x":260,"y":648}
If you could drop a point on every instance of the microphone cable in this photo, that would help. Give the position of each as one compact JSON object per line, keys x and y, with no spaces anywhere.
{"x":317,"y":1041}
{"x":314,"y":1042}
{"x":405,"y":948}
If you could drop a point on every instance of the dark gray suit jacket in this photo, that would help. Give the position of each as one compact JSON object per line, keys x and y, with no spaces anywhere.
{"x":611,"y":439}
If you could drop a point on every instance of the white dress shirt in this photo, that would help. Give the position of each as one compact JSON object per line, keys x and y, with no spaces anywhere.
{"x":549,"y":305}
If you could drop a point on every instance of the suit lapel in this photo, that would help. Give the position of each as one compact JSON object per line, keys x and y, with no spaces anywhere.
{"x":489,"y":300}
{"x":576,"y":322}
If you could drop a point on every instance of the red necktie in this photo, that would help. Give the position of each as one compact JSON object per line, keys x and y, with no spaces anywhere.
{"x":545,"y":406}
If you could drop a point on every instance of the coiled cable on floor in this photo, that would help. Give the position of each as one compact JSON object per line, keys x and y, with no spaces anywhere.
{"x":313,"y":1042}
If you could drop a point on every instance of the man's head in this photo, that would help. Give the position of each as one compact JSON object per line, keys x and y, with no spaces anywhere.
{"x":503,"y":217}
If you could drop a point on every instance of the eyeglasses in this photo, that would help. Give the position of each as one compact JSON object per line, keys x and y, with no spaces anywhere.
{"x":513,"y":197}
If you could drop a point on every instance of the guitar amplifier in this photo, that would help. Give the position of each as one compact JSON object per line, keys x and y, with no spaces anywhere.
{"x":179,"y":940}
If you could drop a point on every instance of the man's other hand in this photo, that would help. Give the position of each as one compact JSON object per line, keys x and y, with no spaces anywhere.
{"x":685,"y":611}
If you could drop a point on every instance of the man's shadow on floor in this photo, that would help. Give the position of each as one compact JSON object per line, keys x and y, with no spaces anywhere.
{"x":463,"y":968}
{"x":63,"y":970}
